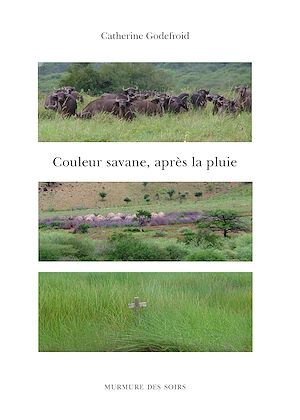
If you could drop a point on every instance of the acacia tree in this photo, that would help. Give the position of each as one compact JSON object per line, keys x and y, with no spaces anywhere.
{"x":182,"y":196}
{"x":147,"y":198}
{"x":143,"y":217}
{"x":102,"y":194}
{"x":222,"y":220}
{"x":170,"y":193}
{"x":198,"y":194}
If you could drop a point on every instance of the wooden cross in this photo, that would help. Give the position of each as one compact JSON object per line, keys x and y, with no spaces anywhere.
{"x":137,"y":304}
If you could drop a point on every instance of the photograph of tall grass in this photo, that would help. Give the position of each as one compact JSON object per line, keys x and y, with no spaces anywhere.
{"x":144,"y":102}
{"x":185,"y":312}
{"x":147,"y":221}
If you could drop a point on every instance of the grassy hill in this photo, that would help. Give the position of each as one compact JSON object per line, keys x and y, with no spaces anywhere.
{"x":83,"y":197}
{"x":219,"y":77}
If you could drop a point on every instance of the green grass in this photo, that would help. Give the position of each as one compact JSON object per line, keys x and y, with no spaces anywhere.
{"x":186,"y":312}
{"x":190,"y":126}
{"x":65,"y":246}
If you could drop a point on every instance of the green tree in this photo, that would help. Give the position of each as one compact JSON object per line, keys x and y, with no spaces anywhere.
{"x":143,"y":217}
{"x":102,"y":194}
{"x":112,"y":77}
{"x":198,"y":194}
{"x":127,"y":200}
{"x":82,"y":228}
{"x":222,"y":220}
{"x":170,"y":193}
{"x":144,"y":75}
{"x":83,"y":77}
{"x":182,"y":196}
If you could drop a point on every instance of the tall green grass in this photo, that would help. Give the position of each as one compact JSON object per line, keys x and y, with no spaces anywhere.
{"x":185,"y":312}
{"x":62,"y":246}
{"x":190,"y":126}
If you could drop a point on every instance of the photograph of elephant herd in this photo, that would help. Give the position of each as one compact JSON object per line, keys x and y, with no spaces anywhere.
{"x":145,"y":102}
{"x":149,"y":221}
{"x":145,"y":312}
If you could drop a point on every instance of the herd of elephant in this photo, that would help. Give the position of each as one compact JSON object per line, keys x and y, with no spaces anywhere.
{"x":132,"y":101}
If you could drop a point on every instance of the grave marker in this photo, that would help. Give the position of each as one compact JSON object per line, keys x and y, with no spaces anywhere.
{"x":137,"y":304}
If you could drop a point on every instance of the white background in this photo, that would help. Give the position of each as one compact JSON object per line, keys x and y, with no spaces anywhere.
{"x":63,"y":386}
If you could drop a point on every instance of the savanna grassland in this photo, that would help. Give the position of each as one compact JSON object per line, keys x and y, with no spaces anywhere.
{"x":186,"y":312}
{"x":92,"y":80}
{"x":77,"y":224}
{"x":193,"y":125}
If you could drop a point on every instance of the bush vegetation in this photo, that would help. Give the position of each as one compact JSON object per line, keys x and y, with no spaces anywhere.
{"x":132,"y":244}
{"x":101,"y":77}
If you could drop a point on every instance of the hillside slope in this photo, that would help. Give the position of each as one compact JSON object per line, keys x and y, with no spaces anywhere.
{"x":188,"y":76}
{"x":85,"y":195}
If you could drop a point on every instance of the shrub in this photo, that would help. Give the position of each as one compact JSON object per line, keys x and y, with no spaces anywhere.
{"x":198,"y":194}
{"x":131,"y":229}
{"x":208,"y":254}
{"x":176,"y":253}
{"x":182,"y":196}
{"x":82,"y":228}
{"x":170,"y":193}
{"x":243,"y":247}
{"x":102,"y":194}
{"x":202,"y":238}
{"x":188,"y":236}
{"x":55,"y":224}
{"x":159,"y":234}
{"x":124,"y":247}
{"x":244,"y":254}
{"x":56,"y":252}
{"x":61,"y":246}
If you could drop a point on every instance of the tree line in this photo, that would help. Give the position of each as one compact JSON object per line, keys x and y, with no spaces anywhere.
{"x":97,"y":78}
